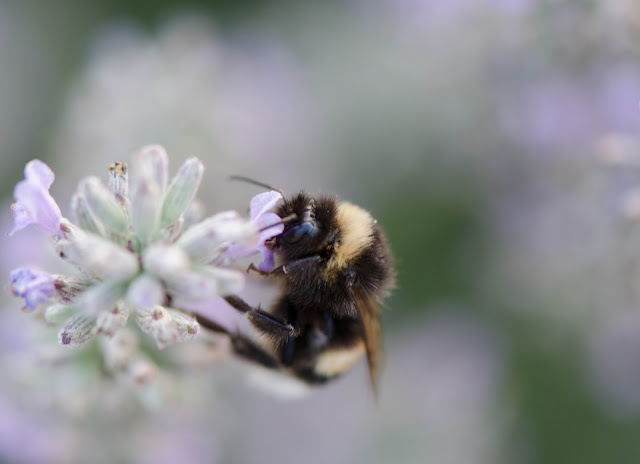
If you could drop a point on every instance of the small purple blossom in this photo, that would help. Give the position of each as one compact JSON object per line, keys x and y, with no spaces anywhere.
{"x":33,"y":285}
{"x":34,"y":205}
{"x":262,"y":217}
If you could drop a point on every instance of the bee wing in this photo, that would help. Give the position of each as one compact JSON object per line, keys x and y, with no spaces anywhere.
{"x":369,"y":314}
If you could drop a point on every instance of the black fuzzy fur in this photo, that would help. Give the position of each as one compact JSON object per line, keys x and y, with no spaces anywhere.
{"x":322,"y":304}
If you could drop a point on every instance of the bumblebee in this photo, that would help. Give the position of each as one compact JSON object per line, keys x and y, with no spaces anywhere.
{"x":334,"y":266}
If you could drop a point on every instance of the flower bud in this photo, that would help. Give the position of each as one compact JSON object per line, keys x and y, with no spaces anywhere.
{"x":171,"y":232}
{"x":83,"y":215}
{"x":104,"y":206}
{"x":193,"y":214}
{"x":145,"y":292}
{"x":101,"y":297}
{"x":68,"y":287}
{"x":203,"y":282}
{"x":206,"y":240}
{"x":98,"y":256}
{"x":78,"y":330}
{"x":187,"y":326}
{"x":119,"y":181}
{"x":165,"y":261}
{"x":110,"y":321}
{"x":58,"y":312}
{"x":149,"y":172}
{"x":158,"y":323}
{"x":182,"y":190}
{"x":146,"y":210}
{"x":119,"y":349}
{"x":152,"y":162}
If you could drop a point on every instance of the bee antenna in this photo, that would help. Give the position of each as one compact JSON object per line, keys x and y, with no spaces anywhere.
{"x":284,"y":220}
{"x":289,"y":218}
{"x":248,"y":180}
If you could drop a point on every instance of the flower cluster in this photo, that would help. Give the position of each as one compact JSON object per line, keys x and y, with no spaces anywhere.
{"x":141,"y":246}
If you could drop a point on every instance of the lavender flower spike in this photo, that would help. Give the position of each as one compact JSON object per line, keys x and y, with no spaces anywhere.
{"x":262,"y":217}
{"x":33,"y":285}
{"x":34,"y":205}
{"x":131,"y":262}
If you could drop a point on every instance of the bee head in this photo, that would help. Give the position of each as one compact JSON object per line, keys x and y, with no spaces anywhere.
{"x":310,"y":227}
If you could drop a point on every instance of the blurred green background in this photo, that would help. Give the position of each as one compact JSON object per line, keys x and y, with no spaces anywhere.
{"x":493,"y":140}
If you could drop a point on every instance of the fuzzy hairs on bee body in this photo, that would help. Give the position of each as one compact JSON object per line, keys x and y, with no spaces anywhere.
{"x":334,"y":267}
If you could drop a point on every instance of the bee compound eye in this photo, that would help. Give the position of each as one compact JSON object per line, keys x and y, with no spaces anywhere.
{"x":295,"y":233}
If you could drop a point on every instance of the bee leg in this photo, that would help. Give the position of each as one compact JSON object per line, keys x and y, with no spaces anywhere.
{"x":262,"y":320}
{"x":268,"y":325}
{"x":211,"y":325}
{"x":254,"y":268}
{"x":249,"y":351}
{"x":286,"y":269}
{"x":238,"y":303}
{"x":242,"y":346}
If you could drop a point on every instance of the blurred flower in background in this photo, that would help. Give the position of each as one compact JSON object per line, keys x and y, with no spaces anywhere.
{"x":442,"y":388}
{"x":20,"y":86}
{"x":496,"y":142}
{"x":235,"y":99}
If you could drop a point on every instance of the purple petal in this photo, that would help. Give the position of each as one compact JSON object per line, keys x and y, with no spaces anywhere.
{"x":263,"y":223}
{"x":214,"y":308}
{"x":263,"y":202}
{"x":260,"y":206}
{"x":40,"y":207}
{"x":268,"y":260}
{"x":38,"y":173}
{"x":237,"y":251}
{"x":21,"y":217}
{"x":33,"y":285}
{"x":34,"y":204}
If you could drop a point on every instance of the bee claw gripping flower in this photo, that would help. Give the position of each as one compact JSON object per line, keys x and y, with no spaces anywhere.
{"x":136,"y":249}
